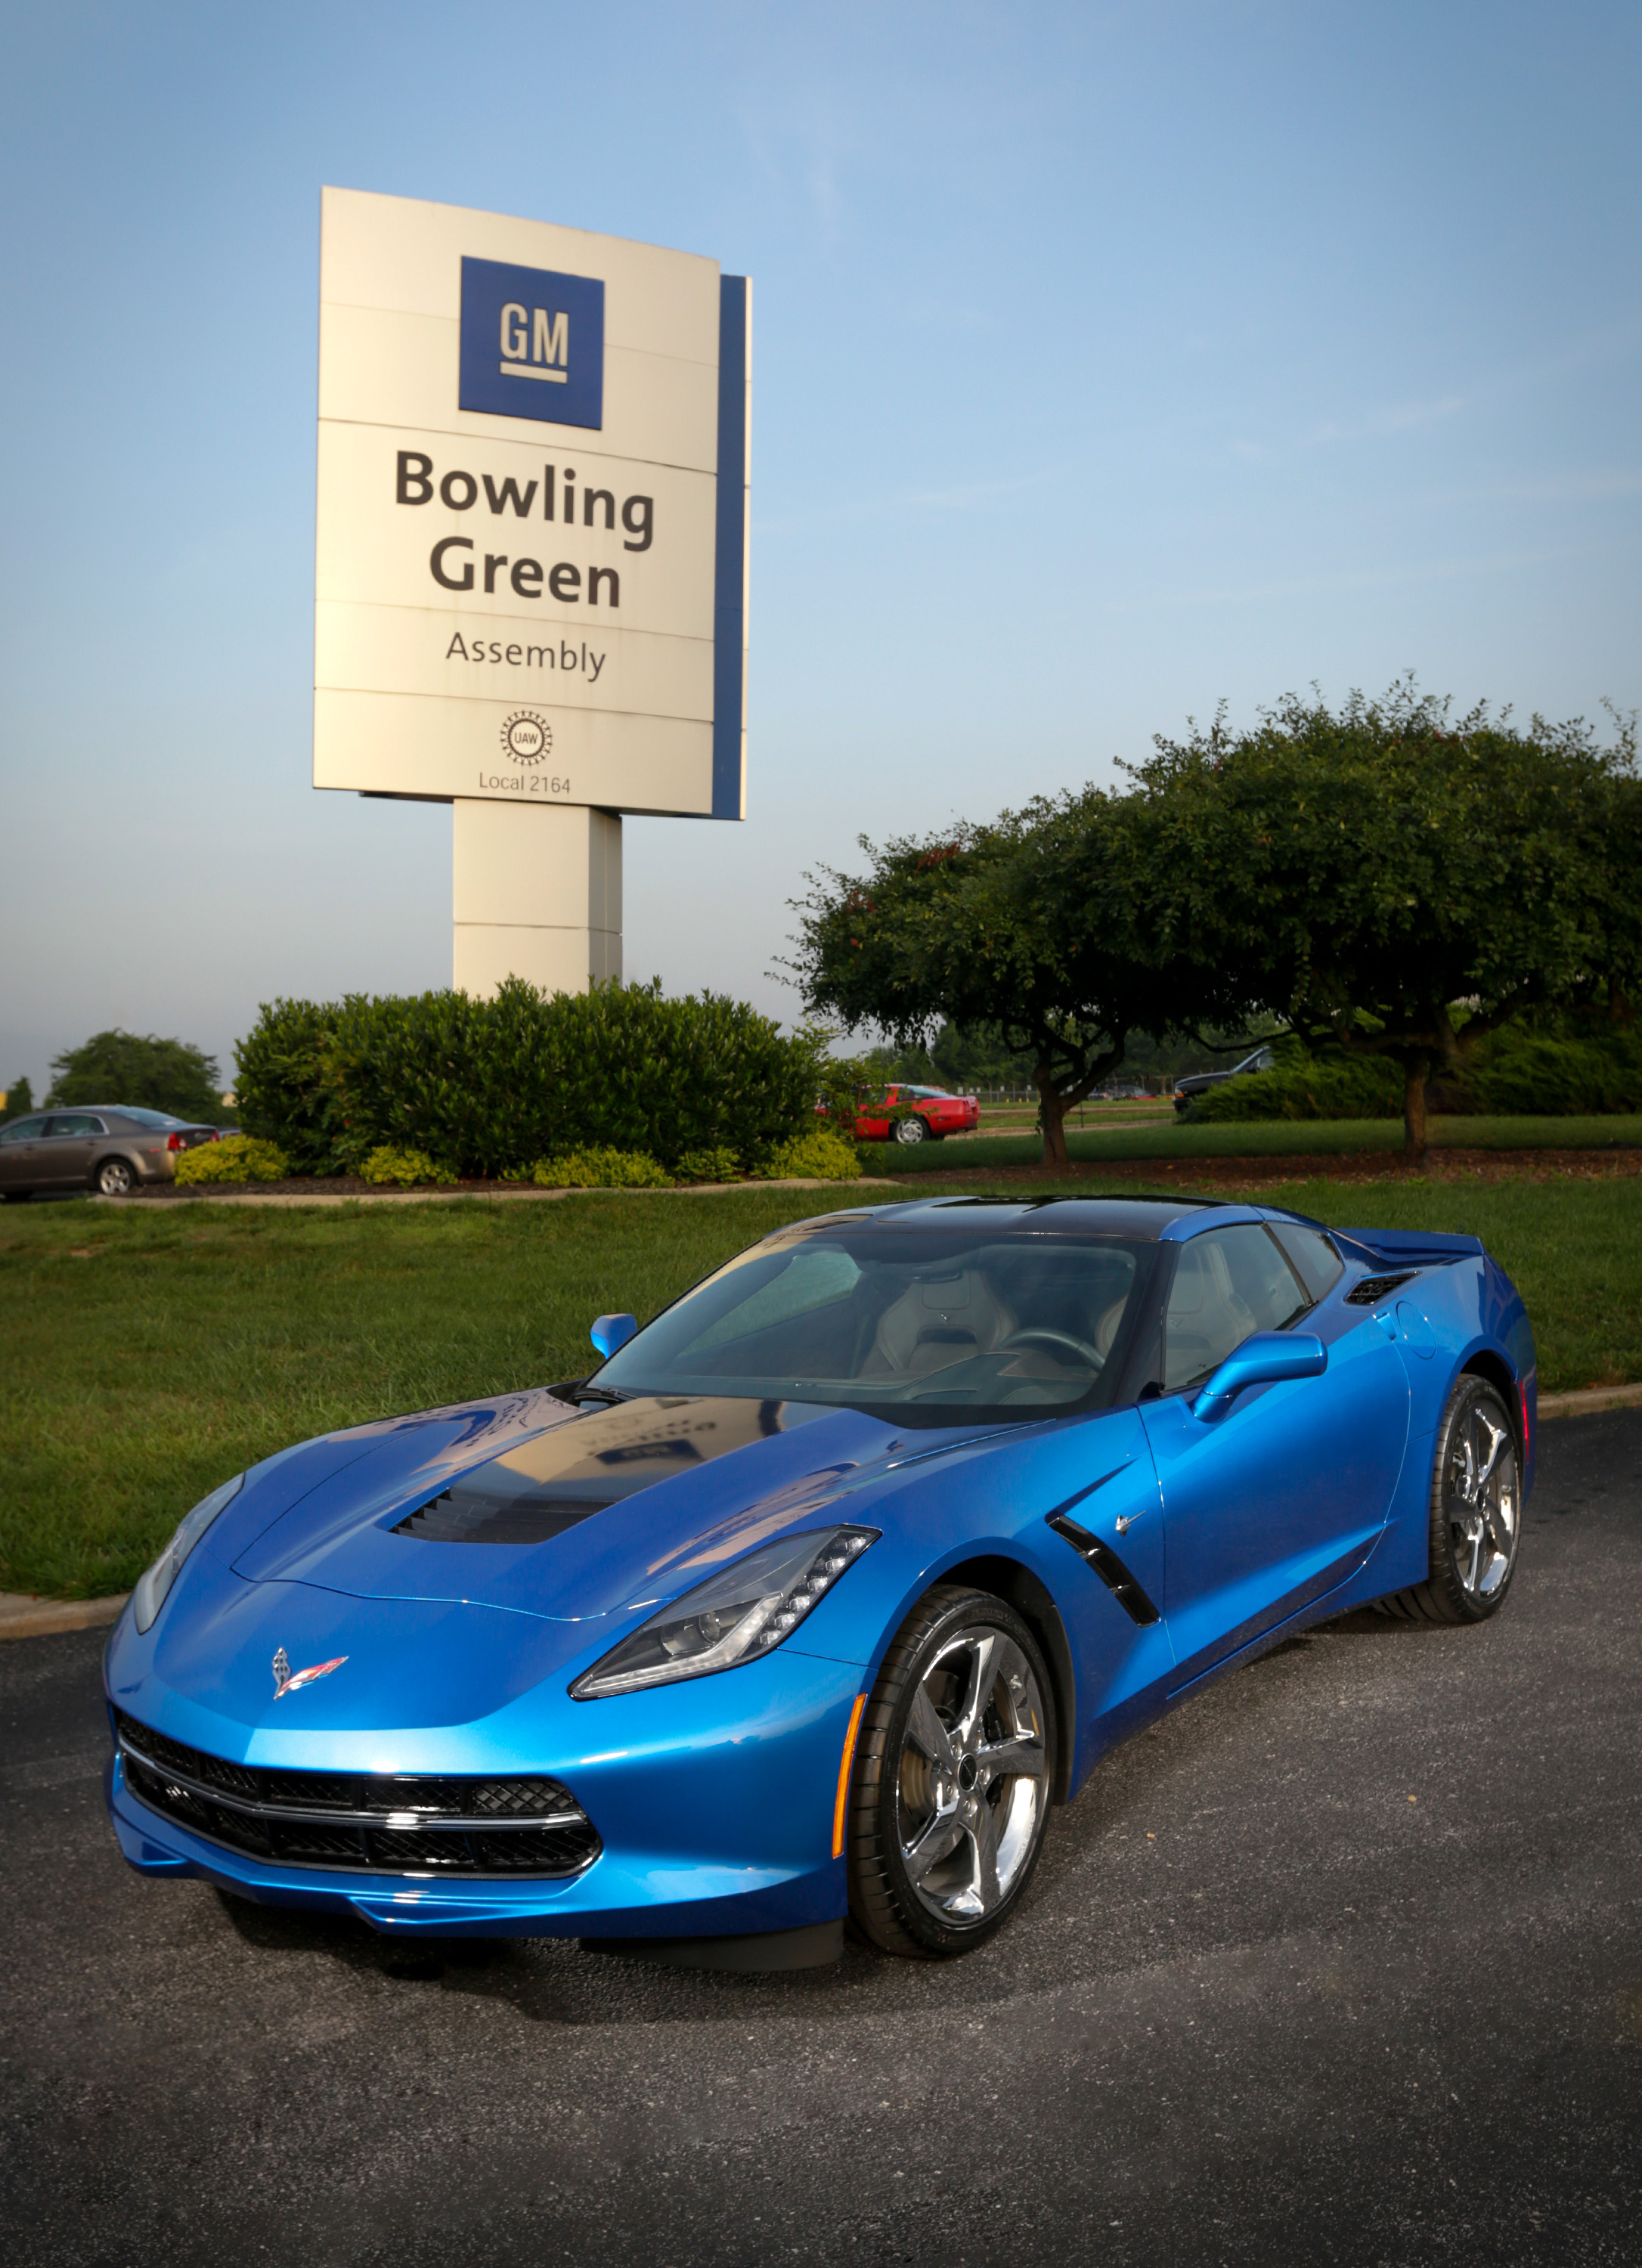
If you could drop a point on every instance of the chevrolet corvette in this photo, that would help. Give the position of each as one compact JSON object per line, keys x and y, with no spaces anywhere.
{"x":813,"y":1602}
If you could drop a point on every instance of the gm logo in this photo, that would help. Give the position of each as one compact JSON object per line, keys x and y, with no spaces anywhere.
{"x":533,"y":344}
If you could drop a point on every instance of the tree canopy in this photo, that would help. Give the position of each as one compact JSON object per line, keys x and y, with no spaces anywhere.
{"x":1382,"y":879}
{"x":1035,"y":926}
{"x":1394,"y":882}
{"x":156,"y":1074}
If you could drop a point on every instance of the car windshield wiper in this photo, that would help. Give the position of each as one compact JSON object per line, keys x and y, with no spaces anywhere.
{"x":578,"y":1389}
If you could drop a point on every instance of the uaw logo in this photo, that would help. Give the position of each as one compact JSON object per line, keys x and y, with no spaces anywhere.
{"x":526,"y":737}
{"x":532,"y":343}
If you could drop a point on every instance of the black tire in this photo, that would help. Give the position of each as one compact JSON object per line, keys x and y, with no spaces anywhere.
{"x":17,"y":1196}
{"x":909,"y":1130}
{"x":954,"y":1635}
{"x":115,"y":1177}
{"x":1476,"y":1512}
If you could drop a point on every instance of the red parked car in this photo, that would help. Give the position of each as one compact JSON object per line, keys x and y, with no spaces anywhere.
{"x":933,"y":1117}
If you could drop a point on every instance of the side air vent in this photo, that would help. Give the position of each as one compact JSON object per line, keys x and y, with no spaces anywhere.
{"x":1374,"y":1289}
{"x":472,"y":1516}
{"x":1107,"y":1565}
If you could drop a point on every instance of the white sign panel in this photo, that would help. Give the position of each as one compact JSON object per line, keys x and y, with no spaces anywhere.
{"x":533,"y":512}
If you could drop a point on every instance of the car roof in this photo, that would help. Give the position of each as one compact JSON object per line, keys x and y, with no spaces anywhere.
{"x":1161,"y":1217}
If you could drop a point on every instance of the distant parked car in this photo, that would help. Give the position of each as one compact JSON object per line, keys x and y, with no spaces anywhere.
{"x":111,"y":1148}
{"x":1201,"y":1081}
{"x":934,"y":1116}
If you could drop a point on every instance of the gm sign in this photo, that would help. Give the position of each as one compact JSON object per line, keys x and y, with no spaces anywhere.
{"x":532,"y":344}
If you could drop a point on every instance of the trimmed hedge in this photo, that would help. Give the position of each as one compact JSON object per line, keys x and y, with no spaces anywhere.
{"x":1514,"y":1072}
{"x":485,"y":1087}
{"x":236,"y":1158}
{"x":1303,"y":1086}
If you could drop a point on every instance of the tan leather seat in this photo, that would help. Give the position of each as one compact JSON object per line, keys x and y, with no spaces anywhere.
{"x":937,"y":1320}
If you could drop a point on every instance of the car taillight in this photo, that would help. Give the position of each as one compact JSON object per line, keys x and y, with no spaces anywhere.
{"x":175,"y":1142}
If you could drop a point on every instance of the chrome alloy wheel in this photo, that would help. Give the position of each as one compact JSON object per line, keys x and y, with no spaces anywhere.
{"x":1483,"y":1506}
{"x":973,"y":1778}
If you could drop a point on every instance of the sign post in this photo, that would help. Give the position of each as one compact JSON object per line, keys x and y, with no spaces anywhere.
{"x":532,"y":556}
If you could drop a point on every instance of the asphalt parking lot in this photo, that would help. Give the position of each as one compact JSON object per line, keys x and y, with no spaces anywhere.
{"x":1341,"y":1962}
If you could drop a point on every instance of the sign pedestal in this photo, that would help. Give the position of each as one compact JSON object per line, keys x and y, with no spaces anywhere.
{"x":536,"y":893}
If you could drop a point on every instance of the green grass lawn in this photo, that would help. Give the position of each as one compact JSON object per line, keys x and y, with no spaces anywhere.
{"x":149,"y":1351}
{"x":1258,"y":1138}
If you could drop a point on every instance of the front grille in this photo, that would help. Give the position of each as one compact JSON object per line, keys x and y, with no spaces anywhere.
{"x":1373,"y":1289}
{"x":364,"y":1823}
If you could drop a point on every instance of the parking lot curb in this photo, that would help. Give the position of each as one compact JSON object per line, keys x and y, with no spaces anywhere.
{"x":22,"y":1615}
{"x":204,"y":1195}
{"x":1587,"y":1403}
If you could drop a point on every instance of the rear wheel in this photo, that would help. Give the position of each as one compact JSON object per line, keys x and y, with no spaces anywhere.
{"x":115,"y":1178}
{"x":1476,"y":1512}
{"x":912,"y":1130}
{"x":953,"y":1776}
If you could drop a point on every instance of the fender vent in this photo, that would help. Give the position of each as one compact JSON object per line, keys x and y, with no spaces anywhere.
{"x":1108,"y":1566}
{"x":1374,"y":1289}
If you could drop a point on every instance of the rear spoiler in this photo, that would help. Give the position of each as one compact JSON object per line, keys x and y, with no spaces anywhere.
{"x":1413,"y":1248}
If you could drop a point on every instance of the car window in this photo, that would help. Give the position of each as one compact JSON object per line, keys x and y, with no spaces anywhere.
{"x":1228,"y":1283}
{"x":1314,"y":1260}
{"x":156,"y":1118}
{"x":914,"y":1319}
{"x":75,"y":1122}
{"x":23,"y":1129}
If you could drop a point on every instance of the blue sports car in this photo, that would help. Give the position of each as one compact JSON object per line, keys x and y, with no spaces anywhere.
{"x":819,"y":1593}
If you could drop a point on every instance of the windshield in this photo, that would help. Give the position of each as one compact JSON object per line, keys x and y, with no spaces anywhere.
{"x":924,"y":1322}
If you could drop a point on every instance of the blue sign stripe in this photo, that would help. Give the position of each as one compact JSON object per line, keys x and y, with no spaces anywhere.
{"x":730,"y":552}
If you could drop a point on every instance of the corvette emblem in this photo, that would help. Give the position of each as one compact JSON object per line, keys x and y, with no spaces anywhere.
{"x":285,"y":1683}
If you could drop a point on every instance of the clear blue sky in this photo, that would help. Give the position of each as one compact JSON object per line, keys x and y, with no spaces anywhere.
{"x":1108,"y":362}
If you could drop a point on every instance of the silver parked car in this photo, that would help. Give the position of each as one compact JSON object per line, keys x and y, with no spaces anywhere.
{"x":110,"y":1148}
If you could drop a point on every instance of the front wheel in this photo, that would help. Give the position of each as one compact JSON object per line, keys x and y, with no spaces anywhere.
{"x":909,"y":1130}
{"x":953,"y":1776}
{"x":1476,"y":1512}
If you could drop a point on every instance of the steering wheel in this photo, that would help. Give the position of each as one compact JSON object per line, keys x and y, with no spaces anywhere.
{"x":1040,"y":1335}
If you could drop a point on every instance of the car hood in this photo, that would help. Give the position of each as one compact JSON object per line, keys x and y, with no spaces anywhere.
{"x":592,"y":1510}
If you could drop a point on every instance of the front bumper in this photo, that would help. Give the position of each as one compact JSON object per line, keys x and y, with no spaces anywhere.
{"x":710,"y":1825}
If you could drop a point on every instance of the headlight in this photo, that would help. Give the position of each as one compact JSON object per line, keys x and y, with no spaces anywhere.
{"x":150,"y":1594}
{"x":746,"y":1610}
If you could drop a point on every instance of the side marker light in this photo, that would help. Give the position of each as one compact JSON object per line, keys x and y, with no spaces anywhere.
{"x":845,"y":1761}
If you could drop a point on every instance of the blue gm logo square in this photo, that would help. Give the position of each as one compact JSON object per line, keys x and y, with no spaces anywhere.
{"x":533,"y":344}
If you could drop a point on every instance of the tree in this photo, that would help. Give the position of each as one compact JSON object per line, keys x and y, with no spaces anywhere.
{"x":157,"y":1074}
{"x":19,"y":1099}
{"x":1036,"y":925}
{"x":1393,"y":882}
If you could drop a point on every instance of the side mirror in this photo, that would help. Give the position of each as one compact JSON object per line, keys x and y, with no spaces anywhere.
{"x":613,"y":1331}
{"x":1261,"y":1358}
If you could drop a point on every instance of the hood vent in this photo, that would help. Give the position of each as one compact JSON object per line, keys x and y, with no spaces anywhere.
{"x":467,"y":1514}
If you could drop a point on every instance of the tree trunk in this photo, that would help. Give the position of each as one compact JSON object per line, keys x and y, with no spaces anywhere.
{"x":1415,"y":1075}
{"x":1052,"y":1111}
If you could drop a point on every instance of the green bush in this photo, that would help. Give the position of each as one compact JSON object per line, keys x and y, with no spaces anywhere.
{"x":822,"y":1154}
{"x":715,"y":1165}
{"x":1547,"y":1074}
{"x":485,"y":1086}
{"x":283,"y":1089}
{"x":600,"y":1169}
{"x":1300,"y":1084}
{"x":1516,"y":1072}
{"x":236,"y":1158}
{"x":403,"y":1169}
